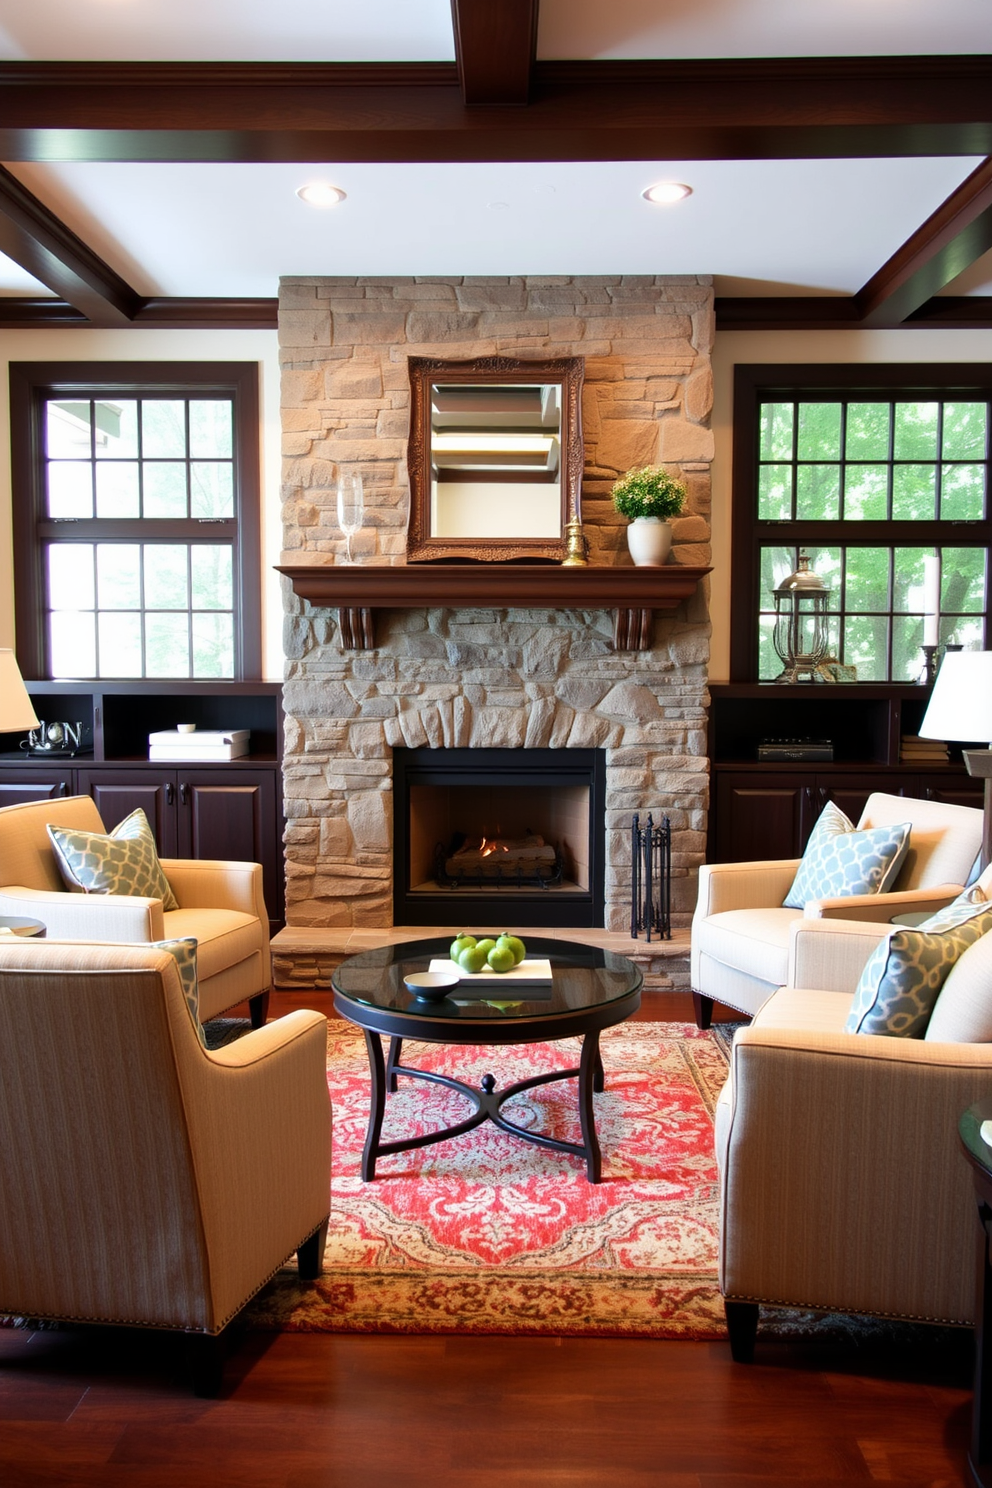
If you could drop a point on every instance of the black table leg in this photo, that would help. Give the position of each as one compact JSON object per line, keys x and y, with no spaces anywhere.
{"x":395,"y":1050}
{"x":377,"y":1072}
{"x":590,"y":1079}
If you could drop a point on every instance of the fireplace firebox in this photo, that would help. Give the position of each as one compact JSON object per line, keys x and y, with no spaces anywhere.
{"x":499,"y":834}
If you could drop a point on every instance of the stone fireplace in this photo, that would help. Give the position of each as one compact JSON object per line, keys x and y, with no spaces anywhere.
{"x":499,"y":679}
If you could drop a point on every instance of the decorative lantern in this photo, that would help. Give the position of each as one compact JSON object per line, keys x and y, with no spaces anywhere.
{"x":800,"y":635}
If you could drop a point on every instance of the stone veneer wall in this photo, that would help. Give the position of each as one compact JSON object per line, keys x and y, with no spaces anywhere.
{"x":496,"y":678}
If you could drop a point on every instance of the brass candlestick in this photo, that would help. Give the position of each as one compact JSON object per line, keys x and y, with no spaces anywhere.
{"x":575,"y":548}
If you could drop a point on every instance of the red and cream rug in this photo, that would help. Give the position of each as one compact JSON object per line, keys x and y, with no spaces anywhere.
{"x":490,"y":1234}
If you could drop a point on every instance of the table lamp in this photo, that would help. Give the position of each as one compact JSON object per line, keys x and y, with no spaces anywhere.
{"x":960,"y":709}
{"x":16,"y":711}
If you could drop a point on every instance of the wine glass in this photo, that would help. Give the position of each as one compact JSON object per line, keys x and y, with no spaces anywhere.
{"x":351,"y":506}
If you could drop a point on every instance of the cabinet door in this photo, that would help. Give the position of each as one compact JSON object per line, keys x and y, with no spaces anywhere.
{"x":850,"y":792}
{"x":233,"y":814}
{"x":758,"y":816}
{"x":119,"y":792}
{"x":958,"y":790}
{"x":19,"y":787}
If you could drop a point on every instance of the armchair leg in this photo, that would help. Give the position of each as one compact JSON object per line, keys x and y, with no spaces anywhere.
{"x":742,"y":1325}
{"x":205,"y":1354}
{"x":310,"y":1255}
{"x":258,"y":1008}
{"x":703,"y":1008}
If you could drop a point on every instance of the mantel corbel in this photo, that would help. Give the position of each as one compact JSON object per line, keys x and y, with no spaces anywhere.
{"x":358,"y":590}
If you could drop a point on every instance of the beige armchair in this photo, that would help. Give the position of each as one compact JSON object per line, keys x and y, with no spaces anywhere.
{"x":143,"y":1179}
{"x":842,"y":1186}
{"x":221,"y":905}
{"x":741,"y":932}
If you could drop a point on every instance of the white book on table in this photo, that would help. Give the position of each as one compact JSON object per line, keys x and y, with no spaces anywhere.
{"x":200,"y":738}
{"x":176,"y":752}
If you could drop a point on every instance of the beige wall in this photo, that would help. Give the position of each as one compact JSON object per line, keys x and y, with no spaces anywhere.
{"x":743,"y":347}
{"x":159,"y":346}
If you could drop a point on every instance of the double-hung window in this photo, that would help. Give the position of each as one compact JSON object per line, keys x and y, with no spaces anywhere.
{"x":136,"y":519}
{"x":872,"y":471}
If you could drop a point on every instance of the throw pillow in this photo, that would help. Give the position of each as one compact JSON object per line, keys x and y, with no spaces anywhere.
{"x":841,"y":860}
{"x":184,"y":953}
{"x":968,"y":903}
{"x":904,"y":974}
{"x":124,"y":861}
{"x":963,"y":1014}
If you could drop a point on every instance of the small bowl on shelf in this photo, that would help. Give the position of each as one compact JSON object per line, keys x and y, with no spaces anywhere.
{"x":431,"y":986}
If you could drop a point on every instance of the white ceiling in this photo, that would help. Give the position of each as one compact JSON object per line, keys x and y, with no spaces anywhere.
{"x":760,"y":227}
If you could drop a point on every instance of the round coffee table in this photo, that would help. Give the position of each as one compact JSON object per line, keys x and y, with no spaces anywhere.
{"x":591,"y":989}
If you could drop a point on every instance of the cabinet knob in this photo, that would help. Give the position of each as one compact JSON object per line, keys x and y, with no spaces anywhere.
{"x":169,"y":793}
{"x":183,"y":793}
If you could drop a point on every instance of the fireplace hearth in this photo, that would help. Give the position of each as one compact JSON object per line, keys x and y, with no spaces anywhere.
{"x":518,"y":834}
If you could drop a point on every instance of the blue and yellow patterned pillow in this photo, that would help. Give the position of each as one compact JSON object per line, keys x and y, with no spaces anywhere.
{"x":968,"y":903}
{"x":841,"y":860}
{"x":184,"y":954}
{"x":123,"y":862}
{"x":904,"y":975}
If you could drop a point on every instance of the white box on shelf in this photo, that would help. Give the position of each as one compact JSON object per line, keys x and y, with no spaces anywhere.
{"x":210,"y":744}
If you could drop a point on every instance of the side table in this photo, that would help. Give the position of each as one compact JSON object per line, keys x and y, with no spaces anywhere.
{"x":979,"y":1155}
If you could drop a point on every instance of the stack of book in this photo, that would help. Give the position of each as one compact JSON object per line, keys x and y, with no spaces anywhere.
{"x":199,"y":746}
{"x":916,"y":751}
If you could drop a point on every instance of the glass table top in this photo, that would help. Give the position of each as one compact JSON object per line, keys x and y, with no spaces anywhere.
{"x":582,"y":977}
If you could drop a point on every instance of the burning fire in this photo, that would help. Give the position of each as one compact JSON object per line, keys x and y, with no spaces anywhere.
{"x":488,"y":848}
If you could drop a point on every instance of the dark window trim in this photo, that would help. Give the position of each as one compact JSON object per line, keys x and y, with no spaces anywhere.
{"x":754,"y":382}
{"x":31,"y":383}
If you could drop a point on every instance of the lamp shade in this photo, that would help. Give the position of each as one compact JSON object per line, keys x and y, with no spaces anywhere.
{"x":961,"y":702}
{"x":16,"y":711}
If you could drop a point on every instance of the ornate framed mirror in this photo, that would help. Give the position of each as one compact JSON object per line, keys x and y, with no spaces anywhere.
{"x":495,"y":458}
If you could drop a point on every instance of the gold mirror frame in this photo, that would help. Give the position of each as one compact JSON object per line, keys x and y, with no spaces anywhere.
{"x":566,"y":372}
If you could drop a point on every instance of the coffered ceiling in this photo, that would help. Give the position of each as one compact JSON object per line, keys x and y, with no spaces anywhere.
{"x":837,"y":152}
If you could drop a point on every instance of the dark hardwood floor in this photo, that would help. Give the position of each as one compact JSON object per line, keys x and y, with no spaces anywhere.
{"x":112,"y":1407}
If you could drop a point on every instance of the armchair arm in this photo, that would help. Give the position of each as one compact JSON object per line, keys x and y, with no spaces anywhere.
{"x":725,"y":886}
{"x":211,"y":883}
{"x":66,"y":916}
{"x":882,"y":907}
{"x":843,"y":1185}
{"x":260,"y":1133}
{"x":830,"y":955}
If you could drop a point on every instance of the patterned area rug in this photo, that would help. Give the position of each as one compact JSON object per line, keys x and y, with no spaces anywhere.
{"x":487,"y":1233}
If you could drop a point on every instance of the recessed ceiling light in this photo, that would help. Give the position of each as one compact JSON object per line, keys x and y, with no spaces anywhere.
{"x":665,"y":192}
{"x":321,"y":194}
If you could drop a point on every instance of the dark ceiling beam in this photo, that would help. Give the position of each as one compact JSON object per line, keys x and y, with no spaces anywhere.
{"x":782,"y":108}
{"x":36,"y":239}
{"x":841,"y":313}
{"x":495,"y":50}
{"x":20,"y":313}
{"x":940,"y":249}
{"x":208,"y":314}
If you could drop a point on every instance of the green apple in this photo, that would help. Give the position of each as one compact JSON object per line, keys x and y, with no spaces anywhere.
{"x":500,"y":958}
{"x":514,"y":944}
{"x":462,"y":942}
{"x":486,"y":945}
{"x":472,"y":959}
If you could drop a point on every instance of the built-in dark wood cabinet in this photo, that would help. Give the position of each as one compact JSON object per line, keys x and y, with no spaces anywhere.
{"x":225,"y":809}
{"x":764,"y":810}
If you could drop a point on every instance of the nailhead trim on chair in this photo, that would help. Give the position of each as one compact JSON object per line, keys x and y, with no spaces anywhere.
{"x":61,"y":1317}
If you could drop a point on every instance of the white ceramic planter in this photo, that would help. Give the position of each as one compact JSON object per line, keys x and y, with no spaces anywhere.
{"x":649,"y":540}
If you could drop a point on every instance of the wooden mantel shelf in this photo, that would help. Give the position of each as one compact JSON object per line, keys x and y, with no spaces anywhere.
{"x":358,"y":590}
